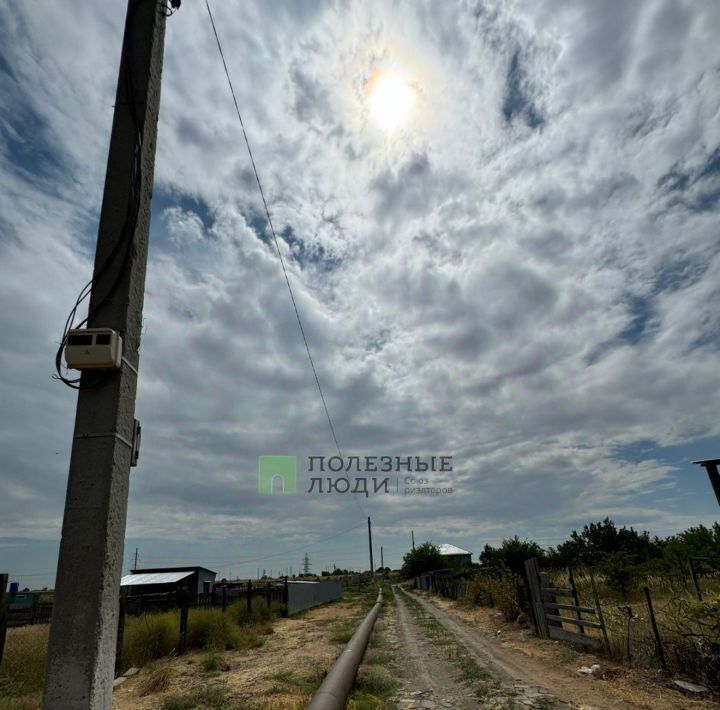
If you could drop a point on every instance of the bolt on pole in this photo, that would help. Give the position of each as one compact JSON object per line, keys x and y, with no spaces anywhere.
{"x":83,"y":632}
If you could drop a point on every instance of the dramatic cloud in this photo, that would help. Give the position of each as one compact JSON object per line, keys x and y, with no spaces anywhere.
{"x":523,"y":276}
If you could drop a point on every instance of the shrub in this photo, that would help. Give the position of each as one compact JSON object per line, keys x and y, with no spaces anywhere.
{"x":148,"y":637}
{"x":211,"y":629}
{"x":621,"y":573}
{"x":499,"y":592}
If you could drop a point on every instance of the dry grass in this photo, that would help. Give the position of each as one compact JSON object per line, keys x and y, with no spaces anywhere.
{"x":157,"y":681}
{"x":281,"y":675}
{"x":146,"y":638}
{"x":22,"y":672}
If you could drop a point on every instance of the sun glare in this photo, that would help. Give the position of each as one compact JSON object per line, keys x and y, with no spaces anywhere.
{"x":391,"y":100}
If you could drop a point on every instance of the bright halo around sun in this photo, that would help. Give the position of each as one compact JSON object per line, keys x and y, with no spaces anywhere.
{"x":390,"y":98}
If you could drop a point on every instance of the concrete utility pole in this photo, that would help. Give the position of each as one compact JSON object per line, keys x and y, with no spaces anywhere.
{"x":382,"y":561}
{"x":711,"y":466}
{"x":372,"y":569}
{"x":81,"y":652}
{"x":412,"y":532}
{"x":136,"y":559}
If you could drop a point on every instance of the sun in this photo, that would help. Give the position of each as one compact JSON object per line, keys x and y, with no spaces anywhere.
{"x":390,"y":98}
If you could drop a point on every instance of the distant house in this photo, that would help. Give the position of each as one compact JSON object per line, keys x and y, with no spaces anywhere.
{"x":158,"y":580}
{"x":455,"y":555}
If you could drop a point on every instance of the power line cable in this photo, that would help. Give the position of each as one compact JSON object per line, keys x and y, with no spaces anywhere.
{"x":235,"y":560}
{"x":272,"y":228}
{"x":275,"y":239}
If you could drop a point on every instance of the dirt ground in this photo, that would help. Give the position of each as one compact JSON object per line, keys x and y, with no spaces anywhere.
{"x":514,"y":651}
{"x":439,"y":654}
{"x":280,"y":675}
{"x":443,"y":666}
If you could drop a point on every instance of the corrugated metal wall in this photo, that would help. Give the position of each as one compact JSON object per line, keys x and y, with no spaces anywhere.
{"x":305,"y":595}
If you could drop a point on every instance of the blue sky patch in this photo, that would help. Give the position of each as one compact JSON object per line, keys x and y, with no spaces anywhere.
{"x":518,"y":103}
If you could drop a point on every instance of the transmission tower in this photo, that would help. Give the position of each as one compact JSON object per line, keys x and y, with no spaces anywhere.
{"x":305,"y":565}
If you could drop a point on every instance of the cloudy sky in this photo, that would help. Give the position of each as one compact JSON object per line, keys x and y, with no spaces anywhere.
{"x":522,"y":273}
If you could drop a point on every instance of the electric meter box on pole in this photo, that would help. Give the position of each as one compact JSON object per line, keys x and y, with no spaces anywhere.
{"x":93,"y":349}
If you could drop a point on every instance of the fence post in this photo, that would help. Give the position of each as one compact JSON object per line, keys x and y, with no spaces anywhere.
{"x":549,"y":598}
{"x":35,"y":604}
{"x":249,"y":597}
{"x":629,"y":611}
{"x":693,"y":577}
{"x":575,"y":597}
{"x":536,"y":601}
{"x":656,"y":633}
{"x":120,"y":634}
{"x":286,"y":598}
{"x":598,"y":608}
{"x":184,"y":605}
{"x":4,"y":601}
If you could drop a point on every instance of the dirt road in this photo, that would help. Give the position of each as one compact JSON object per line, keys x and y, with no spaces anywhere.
{"x":448,"y":665}
{"x":450,"y":658}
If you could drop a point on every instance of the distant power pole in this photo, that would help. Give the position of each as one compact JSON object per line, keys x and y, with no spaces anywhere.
{"x":83,"y":632}
{"x":372,"y":570}
{"x":711,"y":466}
{"x":382,"y":561}
{"x":412,"y":532}
{"x":136,"y":559}
{"x":305,"y":565}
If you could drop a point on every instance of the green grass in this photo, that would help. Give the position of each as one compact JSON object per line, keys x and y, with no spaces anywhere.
{"x":343,"y":630}
{"x":375,"y":681}
{"x":378,"y":657}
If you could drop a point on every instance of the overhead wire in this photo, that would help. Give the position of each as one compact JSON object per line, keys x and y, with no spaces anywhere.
{"x":274,"y":236}
{"x":234,"y":561}
{"x":272,"y":228}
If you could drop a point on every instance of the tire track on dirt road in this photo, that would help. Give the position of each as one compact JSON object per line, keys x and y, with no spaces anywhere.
{"x":446,"y":672}
{"x":430,"y":680}
{"x":531,"y":680}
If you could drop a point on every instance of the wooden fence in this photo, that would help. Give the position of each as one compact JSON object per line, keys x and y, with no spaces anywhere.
{"x":556,"y":607}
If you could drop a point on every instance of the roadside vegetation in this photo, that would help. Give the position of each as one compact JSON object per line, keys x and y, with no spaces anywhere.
{"x":623,"y":562}
{"x":282,"y":675}
{"x":146,"y":638}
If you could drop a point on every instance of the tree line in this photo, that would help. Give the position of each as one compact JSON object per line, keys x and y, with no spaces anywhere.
{"x":623,"y":554}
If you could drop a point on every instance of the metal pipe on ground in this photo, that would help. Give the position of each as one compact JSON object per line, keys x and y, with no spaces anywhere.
{"x":335,"y":689}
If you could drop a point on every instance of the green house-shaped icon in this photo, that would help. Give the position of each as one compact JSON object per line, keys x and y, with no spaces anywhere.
{"x":284,"y":467}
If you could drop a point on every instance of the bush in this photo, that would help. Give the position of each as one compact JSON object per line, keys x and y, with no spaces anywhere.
{"x":211,"y":629}
{"x":621,"y":573}
{"x":424,"y":558}
{"x":148,"y":637}
{"x":500,"y":592}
